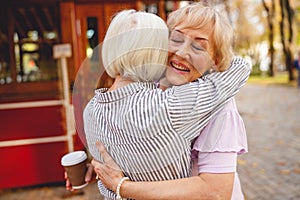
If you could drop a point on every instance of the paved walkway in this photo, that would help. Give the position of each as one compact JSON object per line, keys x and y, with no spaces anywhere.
{"x":271,"y":169}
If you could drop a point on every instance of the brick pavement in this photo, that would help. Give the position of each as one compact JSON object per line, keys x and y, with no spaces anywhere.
{"x":271,"y":169}
{"x":90,"y":192}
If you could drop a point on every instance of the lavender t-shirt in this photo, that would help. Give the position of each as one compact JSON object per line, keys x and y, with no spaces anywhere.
{"x":217,"y":147}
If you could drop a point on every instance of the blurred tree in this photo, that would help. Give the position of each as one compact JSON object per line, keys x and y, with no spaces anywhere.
{"x":270,"y":10}
{"x":248,"y":20}
{"x":264,"y":31}
{"x":297,"y":24}
{"x":287,"y":34}
{"x":245,"y":17}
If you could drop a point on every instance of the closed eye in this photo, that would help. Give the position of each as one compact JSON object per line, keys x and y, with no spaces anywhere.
{"x":176,"y":37}
{"x":198,"y":47}
{"x":176,"y":40}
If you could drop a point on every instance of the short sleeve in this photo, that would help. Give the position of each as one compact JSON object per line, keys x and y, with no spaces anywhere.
{"x":224,"y":133}
{"x":216,"y":162}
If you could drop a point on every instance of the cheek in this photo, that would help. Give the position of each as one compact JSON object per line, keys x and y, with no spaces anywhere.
{"x":202,"y":65}
{"x":193,"y":75}
{"x":170,"y":55}
{"x":173,"y":48}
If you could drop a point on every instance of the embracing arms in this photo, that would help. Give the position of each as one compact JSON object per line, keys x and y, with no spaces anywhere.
{"x":193,"y":104}
{"x":203,"y":186}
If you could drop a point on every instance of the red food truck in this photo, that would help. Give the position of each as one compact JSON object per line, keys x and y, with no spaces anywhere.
{"x":42,"y":45}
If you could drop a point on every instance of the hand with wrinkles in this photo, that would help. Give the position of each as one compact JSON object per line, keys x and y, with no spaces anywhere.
{"x":109,"y":173}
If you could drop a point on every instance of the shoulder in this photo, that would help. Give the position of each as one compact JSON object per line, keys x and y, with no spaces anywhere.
{"x":238,"y":61}
{"x":225,"y":132}
{"x":229,"y":107}
{"x":89,"y":108}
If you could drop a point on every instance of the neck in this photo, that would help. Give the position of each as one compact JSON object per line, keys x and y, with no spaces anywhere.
{"x":119,"y":82}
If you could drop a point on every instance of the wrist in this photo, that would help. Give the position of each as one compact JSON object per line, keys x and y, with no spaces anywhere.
{"x":118,"y":189}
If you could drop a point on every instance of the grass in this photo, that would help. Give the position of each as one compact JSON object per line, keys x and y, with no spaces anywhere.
{"x":280,"y":78}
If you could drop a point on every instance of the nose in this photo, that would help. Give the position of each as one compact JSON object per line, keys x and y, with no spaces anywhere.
{"x":183,"y":51}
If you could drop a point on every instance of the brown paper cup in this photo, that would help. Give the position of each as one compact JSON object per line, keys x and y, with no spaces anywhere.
{"x":75,"y":166}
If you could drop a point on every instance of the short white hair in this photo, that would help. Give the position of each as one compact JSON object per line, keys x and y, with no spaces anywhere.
{"x":136,"y":46}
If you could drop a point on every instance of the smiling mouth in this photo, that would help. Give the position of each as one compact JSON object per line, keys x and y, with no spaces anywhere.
{"x":178,"y":67}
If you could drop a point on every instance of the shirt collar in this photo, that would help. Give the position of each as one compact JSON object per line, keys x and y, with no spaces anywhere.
{"x":105,"y":96}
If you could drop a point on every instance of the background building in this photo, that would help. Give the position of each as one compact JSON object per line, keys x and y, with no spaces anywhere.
{"x":36,"y":126}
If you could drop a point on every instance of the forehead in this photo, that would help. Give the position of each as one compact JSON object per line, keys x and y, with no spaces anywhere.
{"x":194,"y":28}
{"x":200,"y":34}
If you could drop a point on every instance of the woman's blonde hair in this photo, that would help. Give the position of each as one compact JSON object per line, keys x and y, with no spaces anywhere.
{"x":136,"y":46}
{"x":196,"y":16}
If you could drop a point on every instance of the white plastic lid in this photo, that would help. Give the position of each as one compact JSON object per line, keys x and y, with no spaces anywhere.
{"x":73,"y":158}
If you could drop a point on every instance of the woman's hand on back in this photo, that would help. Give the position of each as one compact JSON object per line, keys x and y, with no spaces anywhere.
{"x":109,"y":173}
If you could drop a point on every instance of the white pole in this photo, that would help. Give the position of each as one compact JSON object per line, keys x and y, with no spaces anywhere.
{"x":65,"y":79}
{"x":67,"y":105}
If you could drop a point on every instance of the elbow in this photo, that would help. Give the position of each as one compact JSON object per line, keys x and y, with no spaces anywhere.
{"x":215,"y":194}
{"x":216,"y":188}
{"x":221,"y":194}
{"x":224,"y":191}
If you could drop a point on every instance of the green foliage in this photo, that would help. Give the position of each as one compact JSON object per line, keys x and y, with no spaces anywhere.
{"x":256,"y":70}
{"x":281,"y":78}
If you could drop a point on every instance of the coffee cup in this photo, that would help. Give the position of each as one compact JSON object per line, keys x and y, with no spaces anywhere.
{"x":76,"y":168}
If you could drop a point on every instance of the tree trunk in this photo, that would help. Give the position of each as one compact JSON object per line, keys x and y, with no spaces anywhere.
{"x":287,"y":40}
{"x":270,"y":13}
{"x":290,"y":15}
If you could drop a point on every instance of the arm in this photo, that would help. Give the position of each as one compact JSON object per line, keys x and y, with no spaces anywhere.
{"x":205,"y":97}
{"x":204,"y":186}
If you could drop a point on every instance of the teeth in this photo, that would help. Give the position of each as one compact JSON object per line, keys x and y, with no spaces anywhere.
{"x":179,"y":67}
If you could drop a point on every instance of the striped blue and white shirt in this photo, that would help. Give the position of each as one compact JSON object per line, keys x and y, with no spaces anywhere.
{"x":148,"y":131}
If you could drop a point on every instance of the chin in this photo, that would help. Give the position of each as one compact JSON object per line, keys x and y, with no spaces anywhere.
{"x":176,"y":81}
